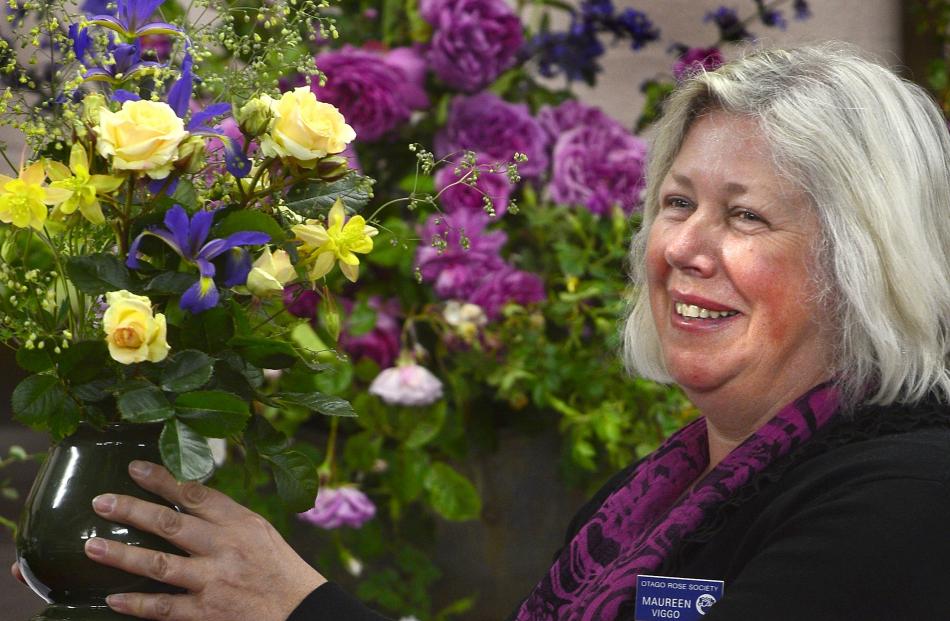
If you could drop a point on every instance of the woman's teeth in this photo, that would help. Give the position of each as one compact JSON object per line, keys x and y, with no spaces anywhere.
{"x":691,"y":310}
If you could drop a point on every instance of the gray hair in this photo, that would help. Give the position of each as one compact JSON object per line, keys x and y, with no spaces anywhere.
{"x":871,"y":151}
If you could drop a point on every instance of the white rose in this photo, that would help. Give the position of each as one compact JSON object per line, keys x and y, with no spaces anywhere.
{"x":270,"y":272}
{"x":143,"y":136}
{"x":304,"y":129}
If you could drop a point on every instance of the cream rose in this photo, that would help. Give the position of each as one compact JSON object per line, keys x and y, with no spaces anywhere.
{"x":270,"y":273}
{"x":304,"y":129}
{"x":143,"y":135}
{"x":132,"y":332}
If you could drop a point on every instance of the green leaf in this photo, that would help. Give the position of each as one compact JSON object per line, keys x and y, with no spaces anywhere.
{"x":406,"y":473}
{"x":265,"y":353}
{"x":296,"y":478}
{"x":98,"y":273}
{"x":315,"y":198}
{"x":185,"y":195}
{"x":250,"y":220}
{"x":40,"y":402}
{"x":317,"y":402}
{"x":185,"y":453}
{"x":170,"y":283}
{"x":209,"y":331}
{"x":362,"y":319}
{"x":362,"y":450}
{"x":452,"y":495}
{"x":427,"y":424}
{"x":144,"y":405}
{"x":262,"y":435}
{"x":82,"y":362}
{"x":34,"y":360}
{"x":213,"y":413}
{"x":187,"y":370}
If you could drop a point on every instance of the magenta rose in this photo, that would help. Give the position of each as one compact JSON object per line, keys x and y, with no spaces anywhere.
{"x":504,"y":287}
{"x":381,"y":344}
{"x":473,"y":41}
{"x":697,"y":59}
{"x":598,"y":167}
{"x":556,"y":120}
{"x":375,"y":91}
{"x":495,"y":130}
{"x":465,"y":197}
{"x":455,"y":271}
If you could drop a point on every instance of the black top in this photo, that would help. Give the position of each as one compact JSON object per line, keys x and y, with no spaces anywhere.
{"x":855,"y":524}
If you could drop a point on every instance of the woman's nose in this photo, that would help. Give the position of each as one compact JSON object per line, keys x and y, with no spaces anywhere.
{"x":691,"y":246}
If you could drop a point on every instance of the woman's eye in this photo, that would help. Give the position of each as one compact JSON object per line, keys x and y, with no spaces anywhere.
{"x":678,"y":202}
{"x":748,"y":216}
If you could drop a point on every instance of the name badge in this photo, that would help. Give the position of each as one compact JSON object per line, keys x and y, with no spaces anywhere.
{"x":685,"y":599}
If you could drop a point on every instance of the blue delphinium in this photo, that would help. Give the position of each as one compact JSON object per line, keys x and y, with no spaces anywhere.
{"x":772,"y":18}
{"x":801,"y":9}
{"x":575,"y":53}
{"x":730,"y":26}
{"x":638,"y":27}
{"x":189,"y":239}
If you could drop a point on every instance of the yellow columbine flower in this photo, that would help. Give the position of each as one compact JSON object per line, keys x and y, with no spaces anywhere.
{"x":82,"y":187}
{"x":339,"y":241}
{"x":23,"y":200}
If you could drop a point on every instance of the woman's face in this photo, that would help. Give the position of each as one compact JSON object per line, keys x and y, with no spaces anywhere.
{"x":730,"y":262}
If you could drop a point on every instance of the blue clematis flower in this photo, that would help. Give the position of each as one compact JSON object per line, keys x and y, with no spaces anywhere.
{"x":189,"y":239}
{"x":131,"y":20}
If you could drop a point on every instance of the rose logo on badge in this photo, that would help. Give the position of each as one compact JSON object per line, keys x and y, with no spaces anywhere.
{"x":704,"y":602}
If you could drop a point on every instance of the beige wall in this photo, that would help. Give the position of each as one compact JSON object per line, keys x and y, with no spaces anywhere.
{"x":871,"y":24}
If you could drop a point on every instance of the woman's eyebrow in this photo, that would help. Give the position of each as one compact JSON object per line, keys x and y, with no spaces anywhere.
{"x":733,"y":187}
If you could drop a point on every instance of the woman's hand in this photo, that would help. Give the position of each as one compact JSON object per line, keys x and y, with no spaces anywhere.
{"x":239,"y":566}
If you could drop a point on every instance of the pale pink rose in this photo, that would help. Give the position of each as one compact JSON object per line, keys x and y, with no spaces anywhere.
{"x":407,"y":384}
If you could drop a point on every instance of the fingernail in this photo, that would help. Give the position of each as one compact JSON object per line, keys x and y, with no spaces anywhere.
{"x":104,"y":503}
{"x":116,"y":602}
{"x":140,"y":469}
{"x":96,"y":547}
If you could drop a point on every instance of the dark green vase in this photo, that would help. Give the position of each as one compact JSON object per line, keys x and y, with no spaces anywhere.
{"x":58,"y":519}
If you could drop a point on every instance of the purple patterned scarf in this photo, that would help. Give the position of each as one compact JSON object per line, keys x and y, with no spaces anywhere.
{"x":644,"y":520}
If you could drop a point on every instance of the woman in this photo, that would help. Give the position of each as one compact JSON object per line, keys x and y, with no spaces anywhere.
{"x":795,"y":281}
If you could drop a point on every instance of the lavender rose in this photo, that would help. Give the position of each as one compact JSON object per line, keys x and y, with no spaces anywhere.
{"x":495,"y":130}
{"x":301,"y":302}
{"x":473,"y":41}
{"x":465,"y":197}
{"x":455,"y":270}
{"x":504,"y":287}
{"x":381,"y":344}
{"x":407,"y":384}
{"x":340,"y":506}
{"x":697,"y":59}
{"x":376,"y":92}
{"x":556,"y":120}
{"x":598,"y":166}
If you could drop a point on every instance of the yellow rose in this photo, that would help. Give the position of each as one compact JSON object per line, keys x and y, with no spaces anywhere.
{"x":143,"y":135}
{"x":304,"y":129}
{"x":270,"y":273}
{"x":132,"y":332}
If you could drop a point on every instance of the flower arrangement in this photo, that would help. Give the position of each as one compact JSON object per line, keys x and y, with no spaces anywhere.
{"x":217,"y":249}
{"x":148,"y":238}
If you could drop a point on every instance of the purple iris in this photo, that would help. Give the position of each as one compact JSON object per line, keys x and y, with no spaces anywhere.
{"x":132,"y":19}
{"x":127,"y":59}
{"x":189,"y":239}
